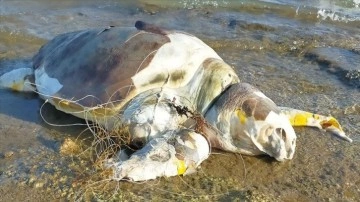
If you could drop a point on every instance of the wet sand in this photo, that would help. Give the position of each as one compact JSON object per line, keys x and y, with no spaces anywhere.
{"x":33,"y":168}
{"x":291,"y":59}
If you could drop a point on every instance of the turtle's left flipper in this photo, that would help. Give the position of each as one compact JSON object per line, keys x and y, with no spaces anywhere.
{"x":17,"y":76}
{"x":177,"y":152}
{"x":303,"y":118}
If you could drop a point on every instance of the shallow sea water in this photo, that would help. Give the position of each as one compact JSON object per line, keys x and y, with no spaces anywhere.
{"x":302,"y":54}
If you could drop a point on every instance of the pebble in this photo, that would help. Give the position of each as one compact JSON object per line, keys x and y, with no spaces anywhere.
{"x":39,"y":185}
{"x":354,"y":109}
{"x":32,"y":179}
{"x":9,"y":154}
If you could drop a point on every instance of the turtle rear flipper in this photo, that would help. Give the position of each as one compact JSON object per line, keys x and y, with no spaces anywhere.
{"x":177,"y":152}
{"x":304,"y":118}
{"x":17,"y":75}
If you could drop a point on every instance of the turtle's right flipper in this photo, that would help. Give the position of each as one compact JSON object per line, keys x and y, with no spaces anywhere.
{"x":17,"y":75}
{"x":177,"y":152}
{"x":304,"y":118}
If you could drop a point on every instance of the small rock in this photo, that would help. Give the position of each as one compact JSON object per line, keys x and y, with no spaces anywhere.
{"x":39,"y":185}
{"x":63,"y":179}
{"x":354,"y":109}
{"x":32,"y":179}
{"x":9,"y":154}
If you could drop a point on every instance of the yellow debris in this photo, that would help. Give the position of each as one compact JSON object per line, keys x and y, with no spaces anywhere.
{"x":331,"y":122}
{"x":242,"y":116}
{"x":181,"y":167}
{"x":301,"y":119}
{"x":17,"y":86}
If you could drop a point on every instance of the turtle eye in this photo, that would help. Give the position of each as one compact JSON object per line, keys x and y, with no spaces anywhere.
{"x":281,"y":133}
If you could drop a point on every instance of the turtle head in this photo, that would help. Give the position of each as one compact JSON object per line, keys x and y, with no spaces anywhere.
{"x":271,"y":134}
{"x":251,"y":123}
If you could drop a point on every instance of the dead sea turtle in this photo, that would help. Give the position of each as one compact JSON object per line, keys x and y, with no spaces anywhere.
{"x":174,"y":94}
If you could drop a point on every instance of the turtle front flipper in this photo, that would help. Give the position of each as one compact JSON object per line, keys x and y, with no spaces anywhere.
{"x":304,"y":118}
{"x":17,"y":75}
{"x":177,"y":152}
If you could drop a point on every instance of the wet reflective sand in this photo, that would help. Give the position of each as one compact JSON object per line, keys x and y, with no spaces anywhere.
{"x":300,"y":55}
